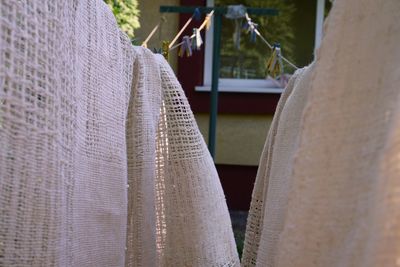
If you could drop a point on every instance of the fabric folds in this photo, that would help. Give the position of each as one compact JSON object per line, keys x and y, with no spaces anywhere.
{"x":271,"y":190}
{"x":174,"y":191}
{"x":101,"y":161}
{"x":337,"y":192}
{"x":65,"y":79}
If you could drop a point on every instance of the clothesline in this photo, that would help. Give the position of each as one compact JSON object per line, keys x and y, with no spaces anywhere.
{"x":144,"y":44}
{"x":183,"y":28}
{"x":251,"y":25}
{"x":204,"y":24}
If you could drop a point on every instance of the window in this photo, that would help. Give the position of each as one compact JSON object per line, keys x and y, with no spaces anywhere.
{"x":297,"y":28}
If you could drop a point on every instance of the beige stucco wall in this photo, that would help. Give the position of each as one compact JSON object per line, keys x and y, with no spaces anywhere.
{"x":150,"y":17}
{"x":240,"y":138}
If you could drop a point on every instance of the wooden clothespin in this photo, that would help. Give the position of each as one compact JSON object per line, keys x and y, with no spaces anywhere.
{"x":197,"y":41}
{"x":253,"y":34}
{"x":274,"y":64}
{"x":252,"y":28}
{"x":165,"y":49}
{"x":186,"y":47}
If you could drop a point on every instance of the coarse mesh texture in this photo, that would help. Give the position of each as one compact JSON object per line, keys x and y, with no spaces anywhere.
{"x":269,"y":197}
{"x":175,"y":196}
{"x":280,"y":181}
{"x":35,"y":189}
{"x":344,"y":204}
{"x":197,"y":229}
{"x":65,"y":78}
{"x":104,"y":65}
{"x":344,"y":207}
{"x":141,"y":130}
{"x":68,"y":144}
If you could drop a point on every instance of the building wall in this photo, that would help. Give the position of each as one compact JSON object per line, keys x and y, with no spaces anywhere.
{"x":239,"y":144}
{"x":240,"y":138}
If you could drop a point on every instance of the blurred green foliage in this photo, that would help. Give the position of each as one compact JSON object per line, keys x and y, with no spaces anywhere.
{"x":126,"y":13}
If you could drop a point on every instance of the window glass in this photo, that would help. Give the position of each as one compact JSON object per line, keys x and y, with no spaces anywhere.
{"x":293,"y":29}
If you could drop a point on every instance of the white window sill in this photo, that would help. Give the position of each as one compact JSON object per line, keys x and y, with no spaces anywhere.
{"x":270,"y":90}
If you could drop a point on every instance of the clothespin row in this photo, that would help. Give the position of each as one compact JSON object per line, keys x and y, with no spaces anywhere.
{"x":190,"y":43}
{"x":196,"y":15}
{"x":274,"y":63}
{"x":193,"y":42}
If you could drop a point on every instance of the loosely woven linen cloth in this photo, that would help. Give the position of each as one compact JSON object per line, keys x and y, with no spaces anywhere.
{"x":270,"y":194}
{"x":101,"y":162}
{"x":343,"y":205}
{"x":65,"y":80}
{"x":178,"y":214}
{"x":192,"y":213}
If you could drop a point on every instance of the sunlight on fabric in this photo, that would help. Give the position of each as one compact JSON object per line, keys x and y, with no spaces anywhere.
{"x":161,"y":156}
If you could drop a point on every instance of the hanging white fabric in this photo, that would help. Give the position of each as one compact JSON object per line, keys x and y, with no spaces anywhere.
{"x":341,"y":206}
{"x":177,"y":210}
{"x":101,"y":161}
{"x":65,"y":74}
{"x":271,"y":190}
